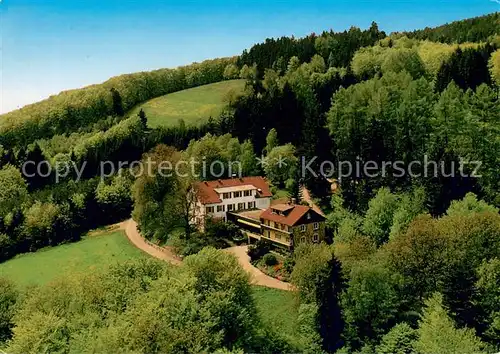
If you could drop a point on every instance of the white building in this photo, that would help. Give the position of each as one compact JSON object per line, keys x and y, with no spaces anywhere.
{"x":216,"y":198}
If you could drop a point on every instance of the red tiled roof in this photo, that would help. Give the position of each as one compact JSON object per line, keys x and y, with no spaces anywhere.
{"x":207,"y":194}
{"x":282,"y":207}
{"x":290,"y":218}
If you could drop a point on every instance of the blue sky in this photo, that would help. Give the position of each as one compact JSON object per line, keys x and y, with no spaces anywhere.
{"x":53,"y":45}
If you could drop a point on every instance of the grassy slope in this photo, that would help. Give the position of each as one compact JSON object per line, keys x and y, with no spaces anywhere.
{"x":278,"y":310}
{"x":93,"y":252}
{"x":193,"y":105}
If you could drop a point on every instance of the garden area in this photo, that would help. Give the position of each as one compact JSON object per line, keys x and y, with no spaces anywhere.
{"x":272,"y":263}
{"x":217,"y":234}
{"x":94,"y":252}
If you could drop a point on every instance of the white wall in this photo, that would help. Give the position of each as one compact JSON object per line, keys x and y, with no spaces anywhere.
{"x":263,"y":203}
{"x":260,"y":203}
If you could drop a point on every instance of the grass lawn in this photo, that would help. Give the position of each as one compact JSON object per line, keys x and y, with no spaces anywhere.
{"x":93,"y":252}
{"x":194,"y":105}
{"x":281,"y":194}
{"x":278,"y":310}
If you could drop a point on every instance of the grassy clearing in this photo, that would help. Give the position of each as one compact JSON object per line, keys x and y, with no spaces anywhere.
{"x":193,"y":105}
{"x":281,"y":194}
{"x":101,"y":248}
{"x":94,"y":252}
{"x":278,"y":310}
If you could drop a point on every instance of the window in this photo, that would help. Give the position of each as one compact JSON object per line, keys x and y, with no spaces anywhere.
{"x":308,"y":216}
{"x":283,"y":227}
{"x":315,"y":238}
{"x":287,"y":239}
{"x":247,"y":193}
{"x":236,"y":194}
{"x":278,"y":236}
{"x":302,"y":240}
{"x":230,"y":207}
{"x":303,"y":228}
{"x":241,"y":206}
{"x":226,"y":195}
{"x":316,"y":226}
{"x":251,"y":205}
{"x":210,"y":209}
{"x":220,"y":208}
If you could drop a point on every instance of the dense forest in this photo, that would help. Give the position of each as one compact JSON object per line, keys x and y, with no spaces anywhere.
{"x":478,"y":29}
{"x":413,"y":262}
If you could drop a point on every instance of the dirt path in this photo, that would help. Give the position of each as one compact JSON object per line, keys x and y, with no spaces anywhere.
{"x":166,"y":254}
{"x":257,"y":277}
{"x":306,"y":196}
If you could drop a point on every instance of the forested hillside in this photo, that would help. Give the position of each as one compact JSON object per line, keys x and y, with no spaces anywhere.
{"x":337,"y":48}
{"x":79,"y":109}
{"x":478,"y":29}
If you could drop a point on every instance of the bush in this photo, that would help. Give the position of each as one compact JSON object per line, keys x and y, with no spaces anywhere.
{"x":217,"y":232}
{"x":270,"y":260}
{"x":288,"y":264}
{"x":258,"y":250}
{"x":8,"y":298}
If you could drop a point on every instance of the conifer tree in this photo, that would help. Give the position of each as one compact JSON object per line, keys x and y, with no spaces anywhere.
{"x":143,"y":118}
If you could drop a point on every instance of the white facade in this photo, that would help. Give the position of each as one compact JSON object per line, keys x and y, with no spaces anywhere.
{"x":233,"y":199}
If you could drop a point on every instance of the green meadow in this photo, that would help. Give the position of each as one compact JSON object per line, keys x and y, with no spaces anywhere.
{"x":194,"y":105}
{"x":278,"y":309}
{"x":96,"y":251}
{"x":93,"y":252}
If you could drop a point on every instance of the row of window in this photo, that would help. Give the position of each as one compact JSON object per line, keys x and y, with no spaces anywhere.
{"x":277,"y":225}
{"x":315,"y":238}
{"x":231,"y":207}
{"x":304,"y":227}
{"x":278,"y":236}
{"x":238,"y":194}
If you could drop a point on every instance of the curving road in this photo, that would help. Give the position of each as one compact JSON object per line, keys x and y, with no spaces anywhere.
{"x":257,"y":277}
{"x":167,"y":254}
{"x":164,"y":253}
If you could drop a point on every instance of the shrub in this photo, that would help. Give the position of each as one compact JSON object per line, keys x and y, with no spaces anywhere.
{"x":217,"y":232}
{"x":288,"y":264}
{"x":270,"y":260}
{"x":8,"y":298}
{"x":258,"y":250}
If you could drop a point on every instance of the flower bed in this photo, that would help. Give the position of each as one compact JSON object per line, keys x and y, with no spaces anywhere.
{"x":276,"y":269}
